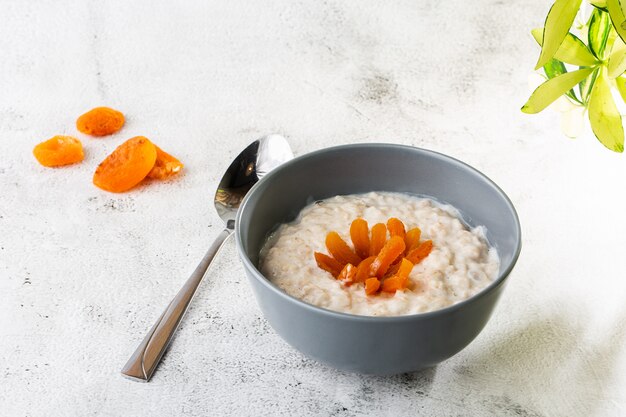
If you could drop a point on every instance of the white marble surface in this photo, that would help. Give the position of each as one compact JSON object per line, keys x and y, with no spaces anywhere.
{"x":84,"y":273}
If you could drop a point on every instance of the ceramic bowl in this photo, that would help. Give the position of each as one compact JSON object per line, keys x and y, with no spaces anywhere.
{"x":377,"y":345}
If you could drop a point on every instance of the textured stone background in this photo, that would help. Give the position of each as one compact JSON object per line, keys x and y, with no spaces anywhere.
{"x":84,"y":273}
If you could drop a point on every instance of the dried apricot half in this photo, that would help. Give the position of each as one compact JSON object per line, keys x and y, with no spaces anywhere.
{"x":418,"y":254}
{"x":371,"y":285}
{"x":396,"y":227}
{"x":379,"y":237}
{"x":126,"y":166}
{"x":347,"y":274}
{"x":165,"y":166}
{"x":412,"y":238}
{"x":100,"y":121}
{"x":328,"y":264}
{"x":58,"y":151}
{"x":340,"y":249}
{"x":360,"y":235}
{"x":392,"y":249}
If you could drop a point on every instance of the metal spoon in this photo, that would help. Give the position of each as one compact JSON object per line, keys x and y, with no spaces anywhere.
{"x":255,"y":161}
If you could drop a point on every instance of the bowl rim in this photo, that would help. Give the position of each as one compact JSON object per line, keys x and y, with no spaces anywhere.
{"x":349,"y":316}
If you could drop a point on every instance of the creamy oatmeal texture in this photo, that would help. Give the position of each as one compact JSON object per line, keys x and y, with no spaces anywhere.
{"x":460,"y":265}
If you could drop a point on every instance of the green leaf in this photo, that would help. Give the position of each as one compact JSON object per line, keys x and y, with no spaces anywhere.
{"x":572,"y":50}
{"x":617,"y":59}
{"x":558,"y":22}
{"x":599,"y":27}
{"x":618,"y":17}
{"x":554,"y":68}
{"x":552,"y":89}
{"x":586,"y":85}
{"x":621,"y":87}
{"x":605,"y":119}
{"x":600,"y":4}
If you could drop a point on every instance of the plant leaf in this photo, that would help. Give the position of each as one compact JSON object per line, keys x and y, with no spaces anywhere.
{"x":617,"y":59}
{"x":572,"y":50}
{"x":605,"y":119}
{"x":552,"y":89}
{"x":600,"y":4}
{"x":621,"y":87}
{"x":599,"y":27}
{"x":554,"y":68}
{"x":558,"y":22}
{"x":618,"y":17}
{"x":586,"y":85}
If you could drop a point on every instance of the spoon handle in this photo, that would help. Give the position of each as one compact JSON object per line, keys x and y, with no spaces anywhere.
{"x":144,"y":361}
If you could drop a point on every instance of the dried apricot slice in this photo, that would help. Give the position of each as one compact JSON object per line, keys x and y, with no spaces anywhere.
{"x":418,"y":254}
{"x":340,"y":249}
{"x":379,"y":237}
{"x":165,"y":165}
{"x":58,"y":151}
{"x":126,"y":166}
{"x":347,"y":274}
{"x":412,"y":238}
{"x":396,"y":227}
{"x":328,"y":264}
{"x":394,"y":284}
{"x":371,"y":286}
{"x":100,"y":121}
{"x":392,"y":249}
{"x":360,"y":235}
{"x":405,"y":268}
{"x":363,"y":270}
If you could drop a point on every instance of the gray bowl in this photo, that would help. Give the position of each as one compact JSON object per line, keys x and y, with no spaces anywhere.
{"x":378,"y":345}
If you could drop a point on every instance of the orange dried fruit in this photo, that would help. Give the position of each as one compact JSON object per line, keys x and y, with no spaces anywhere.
{"x":371,"y":286}
{"x":405,"y":268}
{"x":418,"y":254}
{"x":396,"y":227}
{"x":340,"y":250}
{"x":328,"y":264}
{"x":392,"y":249}
{"x":101,"y":121}
{"x":360,"y":235}
{"x":412,"y":238}
{"x":394,"y":284}
{"x":347,"y":274}
{"x":126,"y":166}
{"x":363,"y":270}
{"x":58,"y":151}
{"x":165,"y":165}
{"x":379,"y":237}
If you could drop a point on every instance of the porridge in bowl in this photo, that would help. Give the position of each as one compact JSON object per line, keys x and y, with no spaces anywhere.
{"x":379,"y":254}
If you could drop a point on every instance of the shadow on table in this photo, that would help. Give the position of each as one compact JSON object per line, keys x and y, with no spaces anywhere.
{"x":552,"y":358}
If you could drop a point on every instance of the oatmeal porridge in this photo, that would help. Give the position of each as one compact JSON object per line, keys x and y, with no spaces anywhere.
{"x":457,"y":264}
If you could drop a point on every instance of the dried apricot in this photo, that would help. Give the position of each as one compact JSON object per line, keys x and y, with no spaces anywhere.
{"x":379,"y":237}
{"x":412,"y":238}
{"x":126,"y":166}
{"x":418,"y":254}
{"x":58,"y":151}
{"x":396,"y":227}
{"x":328,"y":264}
{"x":340,"y":249}
{"x":100,"y":121}
{"x":392,"y":249}
{"x":371,"y":286}
{"x":394,"y":284}
{"x":363,"y":270}
{"x":405,"y":269}
{"x":347,"y":274}
{"x":360,"y":235}
{"x":165,"y":165}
